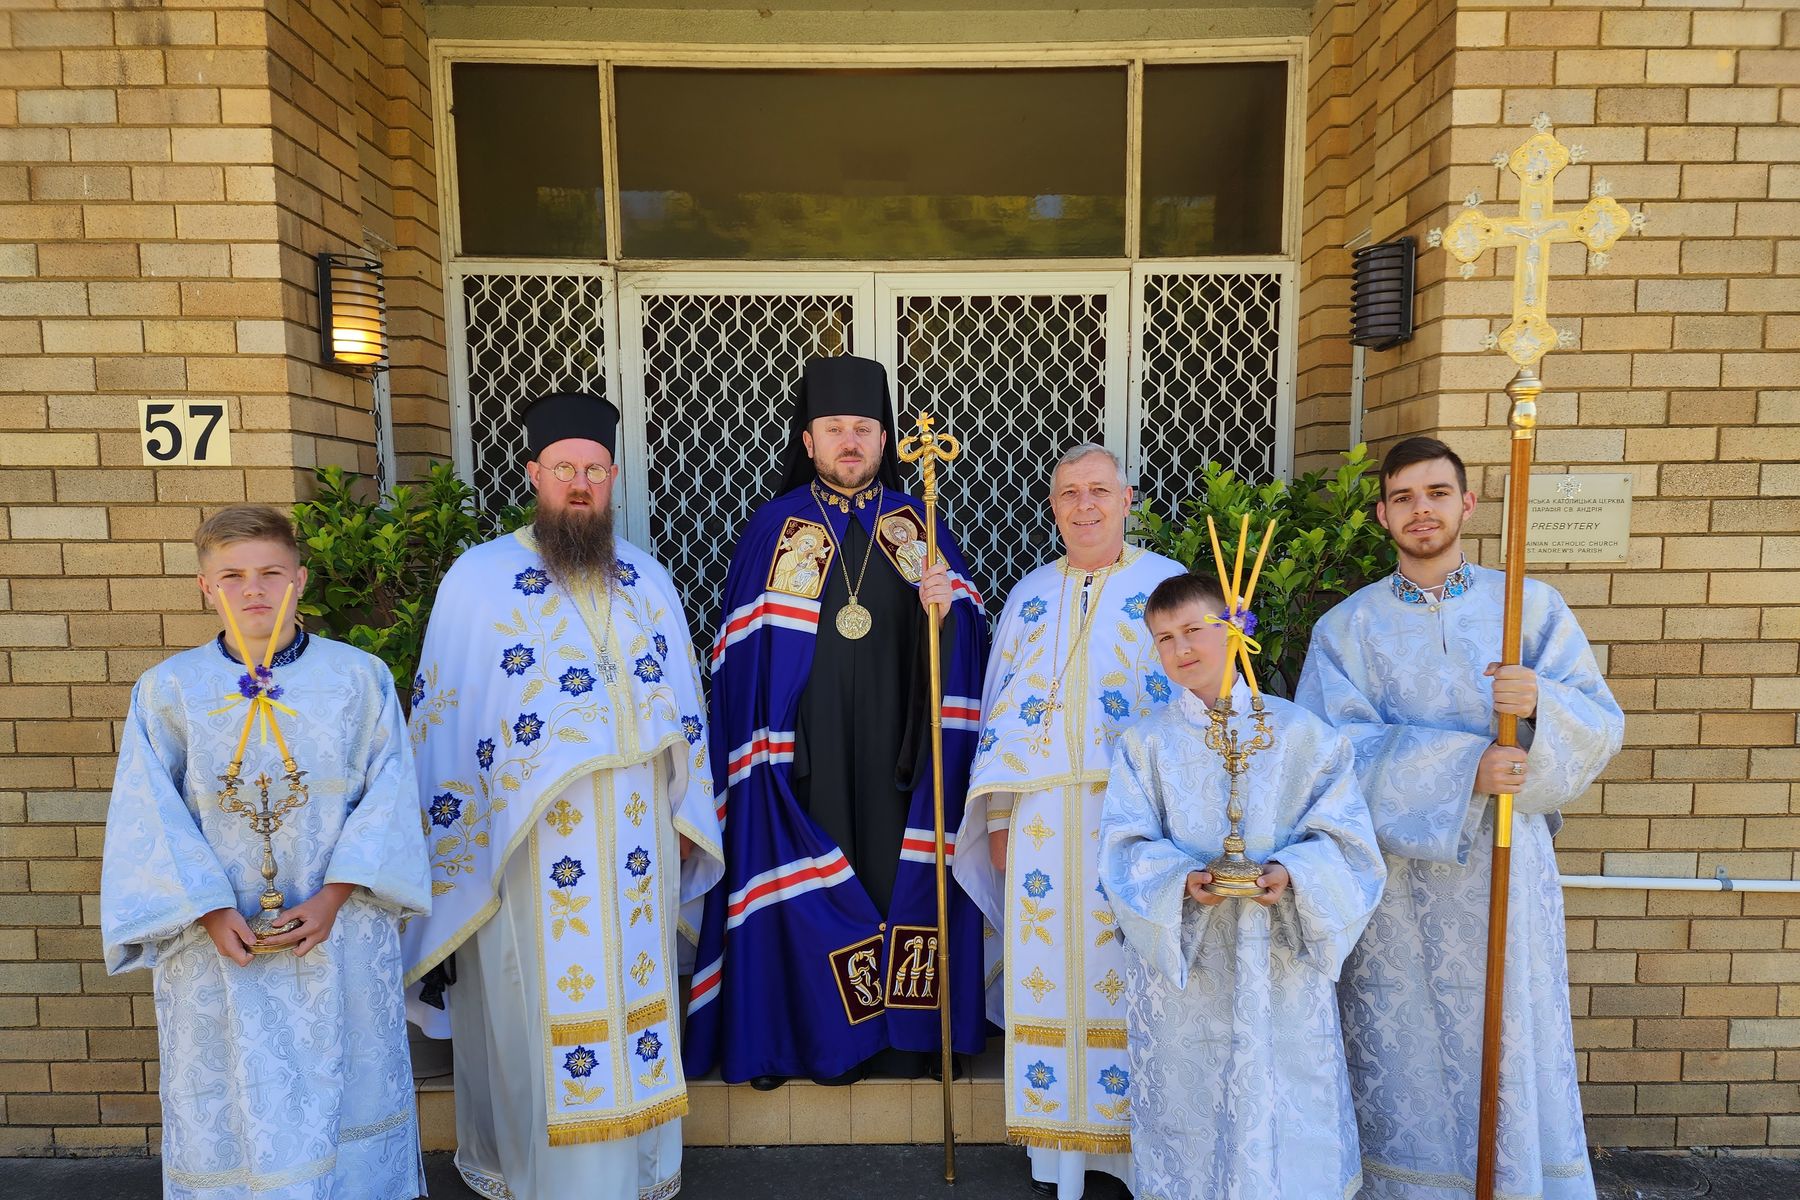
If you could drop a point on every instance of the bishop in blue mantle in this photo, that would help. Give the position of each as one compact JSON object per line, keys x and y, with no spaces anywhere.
{"x":818,"y":951}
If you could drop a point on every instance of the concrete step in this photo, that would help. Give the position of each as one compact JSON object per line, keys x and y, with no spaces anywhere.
{"x":801,"y":1113}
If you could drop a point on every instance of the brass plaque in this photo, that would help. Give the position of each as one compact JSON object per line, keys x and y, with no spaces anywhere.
{"x":1577,"y":518}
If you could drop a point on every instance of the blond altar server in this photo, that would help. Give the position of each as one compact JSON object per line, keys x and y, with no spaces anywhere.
{"x":563,"y":771}
{"x":285,"y":1075}
{"x":1072,"y":667}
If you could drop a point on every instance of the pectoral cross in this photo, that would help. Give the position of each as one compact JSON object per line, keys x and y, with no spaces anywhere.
{"x":1597,"y":225}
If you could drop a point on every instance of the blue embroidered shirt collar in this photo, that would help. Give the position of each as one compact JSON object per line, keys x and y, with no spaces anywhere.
{"x":286,"y":656}
{"x":1456,"y":583}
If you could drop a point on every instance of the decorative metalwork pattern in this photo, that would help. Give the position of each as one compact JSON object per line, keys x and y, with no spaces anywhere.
{"x":1210,"y":380}
{"x":718,"y":375}
{"x":1019,"y":378}
{"x":526,"y":335}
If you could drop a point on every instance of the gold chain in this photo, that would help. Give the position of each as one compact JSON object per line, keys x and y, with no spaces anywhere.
{"x":1087,"y":620}
{"x":868,"y":553}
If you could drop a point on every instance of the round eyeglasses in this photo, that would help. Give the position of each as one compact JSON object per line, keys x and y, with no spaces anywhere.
{"x":596,"y":474}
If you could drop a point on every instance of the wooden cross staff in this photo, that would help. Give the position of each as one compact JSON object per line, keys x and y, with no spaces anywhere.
{"x":1597,"y":225}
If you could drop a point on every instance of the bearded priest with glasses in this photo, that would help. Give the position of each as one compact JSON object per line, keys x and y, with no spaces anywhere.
{"x":562,"y":762}
{"x":818,"y":953}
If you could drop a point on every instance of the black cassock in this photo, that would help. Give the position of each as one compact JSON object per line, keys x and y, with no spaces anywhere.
{"x":862,"y":739}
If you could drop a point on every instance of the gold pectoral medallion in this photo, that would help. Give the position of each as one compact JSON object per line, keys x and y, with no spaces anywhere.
{"x":856,"y":969}
{"x":912,"y":967}
{"x":853,"y":621}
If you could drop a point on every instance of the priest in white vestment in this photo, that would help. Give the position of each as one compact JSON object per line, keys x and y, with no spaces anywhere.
{"x":563,"y":771}
{"x":283,"y":1075}
{"x":1072,"y":666}
{"x":1237,"y":1084}
{"x":1405,"y":668}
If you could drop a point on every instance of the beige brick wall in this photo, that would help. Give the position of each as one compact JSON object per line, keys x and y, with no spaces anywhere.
{"x":1687,"y":1005}
{"x":165,"y":174}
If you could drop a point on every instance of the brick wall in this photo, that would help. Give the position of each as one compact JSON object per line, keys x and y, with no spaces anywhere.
{"x":165,"y":174}
{"x":1687,"y":1005}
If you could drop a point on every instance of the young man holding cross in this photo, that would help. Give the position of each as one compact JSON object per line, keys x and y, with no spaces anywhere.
{"x":1407,"y":669}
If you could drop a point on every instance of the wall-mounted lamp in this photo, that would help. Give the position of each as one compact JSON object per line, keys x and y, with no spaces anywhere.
{"x":1381,"y":294}
{"x":352,"y":313}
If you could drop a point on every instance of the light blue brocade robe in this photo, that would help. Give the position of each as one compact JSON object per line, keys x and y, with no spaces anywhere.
{"x":1404,"y":681}
{"x":288,"y":1079}
{"x":1238,"y":1085}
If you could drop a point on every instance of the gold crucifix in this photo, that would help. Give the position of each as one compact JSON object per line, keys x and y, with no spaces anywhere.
{"x":1597,"y":225}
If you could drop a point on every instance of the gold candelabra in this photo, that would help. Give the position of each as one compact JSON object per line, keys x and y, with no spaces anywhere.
{"x":1233,"y":873}
{"x":257,"y":687}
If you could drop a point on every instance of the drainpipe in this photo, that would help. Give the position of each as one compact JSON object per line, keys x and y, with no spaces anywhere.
{"x":1720,"y":882}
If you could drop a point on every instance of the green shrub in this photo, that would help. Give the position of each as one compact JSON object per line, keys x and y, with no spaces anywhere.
{"x":374,"y":568}
{"x":1327,"y":544}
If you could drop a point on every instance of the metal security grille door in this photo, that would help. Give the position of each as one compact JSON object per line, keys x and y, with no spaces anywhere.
{"x":1018,"y":366}
{"x":523,"y":333}
{"x":1213,"y":376}
{"x":710,"y":366}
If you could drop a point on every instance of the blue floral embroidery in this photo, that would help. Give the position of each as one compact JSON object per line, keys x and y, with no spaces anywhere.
{"x":1116,"y":705}
{"x":1099,"y":889}
{"x":1034,"y":710}
{"x":1033,"y":610}
{"x":580,"y":1062}
{"x":445,"y":809}
{"x":662,"y":649}
{"x":516,"y":660}
{"x":1037,"y":885}
{"x":1134,"y":607}
{"x":1039,"y":1075}
{"x":484,"y":753}
{"x":1114,"y":1081}
{"x":988,"y":738}
{"x":1156,"y":686}
{"x":649,"y":1046}
{"x":566,"y":872}
{"x":532,"y":581}
{"x":528,"y":728}
{"x":418,"y":690}
{"x":628,"y":574}
{"x":647,"y":669}
{"x":690,"y":729}
{"x":1456,"y":584}
{"x":577,"y":681}
{"x":638,"y":861}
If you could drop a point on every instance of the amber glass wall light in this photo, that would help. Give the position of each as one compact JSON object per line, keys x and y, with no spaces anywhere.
{"x":352,"y":313}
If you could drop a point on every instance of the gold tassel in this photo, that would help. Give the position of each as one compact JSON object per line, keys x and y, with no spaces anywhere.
{"x":1038,"y":1035}
{"x":1108,"y":1039}
{"x":611,"y":1129}
{"x":1068,"y":1139}
{"x":647,"y":1016}
{"x":567,"y":1033}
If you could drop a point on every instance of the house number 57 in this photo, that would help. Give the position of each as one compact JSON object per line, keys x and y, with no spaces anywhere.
{"x":182,"y":433}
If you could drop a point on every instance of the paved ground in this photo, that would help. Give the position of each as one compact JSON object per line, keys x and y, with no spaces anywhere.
{"x":909,"y":1173}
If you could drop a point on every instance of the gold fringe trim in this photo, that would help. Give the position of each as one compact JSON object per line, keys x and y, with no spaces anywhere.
{"x":567,"y":1033}
{"x":1039,"y":1035}
{"x":1045,"y":1138}
{"x":1109,"y":1039}
{"x":611,"y":1129}
{"x":647,"y":1016}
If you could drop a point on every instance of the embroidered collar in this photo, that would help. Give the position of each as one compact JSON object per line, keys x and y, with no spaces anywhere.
{"x":1455,"y":584}
{"x":286,"y":656}
{"x":841,"y":502}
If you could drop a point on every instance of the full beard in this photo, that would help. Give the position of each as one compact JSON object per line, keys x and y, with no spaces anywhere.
{"x":848,"y":477}
{"x":577,"y":543}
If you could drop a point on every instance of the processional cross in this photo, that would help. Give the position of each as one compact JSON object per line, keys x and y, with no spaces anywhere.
{"x":1598,"y":224}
